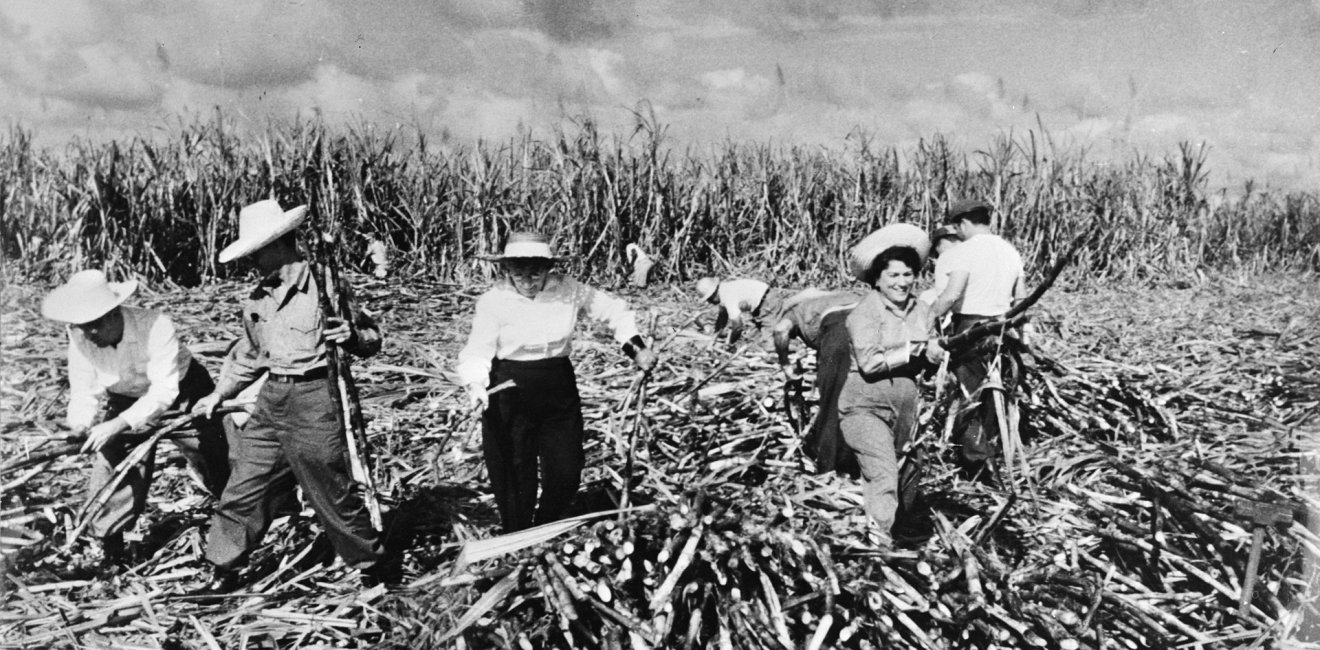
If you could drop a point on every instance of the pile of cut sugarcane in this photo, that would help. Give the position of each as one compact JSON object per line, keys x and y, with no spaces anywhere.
{"x":1123,"y":534}
{"x":1123,"y":531}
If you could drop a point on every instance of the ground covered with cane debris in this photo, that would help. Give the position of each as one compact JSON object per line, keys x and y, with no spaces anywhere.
{"x":1148,"y":414}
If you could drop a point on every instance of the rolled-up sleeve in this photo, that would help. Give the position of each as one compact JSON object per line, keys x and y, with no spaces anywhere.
{"x":162,"y":372}
{"x":83,"y":390}
{"x":609,"y":309}
{"x":482,"y":343}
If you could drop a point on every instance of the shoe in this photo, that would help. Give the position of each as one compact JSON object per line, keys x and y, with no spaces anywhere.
{"x":223,"y":581}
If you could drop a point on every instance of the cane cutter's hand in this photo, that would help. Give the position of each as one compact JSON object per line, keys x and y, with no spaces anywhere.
{"x":99,"y":435}
{"x":645,"y":360}
{"x":478,"y":398}
{"x":205,"y":407}
{"x":337,"y":330}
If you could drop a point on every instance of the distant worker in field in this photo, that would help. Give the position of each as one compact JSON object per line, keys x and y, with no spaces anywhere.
{"x":818,"y":318}
{"x":742,"y":300}
{"x":126,"y":368}
{"x":944,"y":238}
{"x":379,"y":254}
{"x":892,"y":340}
{"x":985,"y":279}
{"x":641,"y":265}
{"x":296,"y":429}
{"x":522,"y":331}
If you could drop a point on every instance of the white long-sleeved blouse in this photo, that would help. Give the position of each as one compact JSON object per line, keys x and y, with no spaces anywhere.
{"x":507,"y":325}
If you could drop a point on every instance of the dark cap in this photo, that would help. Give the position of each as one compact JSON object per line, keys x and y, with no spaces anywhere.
{"x":960,"y":209}
{"x":944,"y":232}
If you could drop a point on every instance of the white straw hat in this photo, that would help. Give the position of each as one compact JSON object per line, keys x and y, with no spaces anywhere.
{"x":260,"y":224}
{"x":525,"y":245}
{"x":895,"y":234}
{"x":86,"y":297}
{"x":706,"y":287}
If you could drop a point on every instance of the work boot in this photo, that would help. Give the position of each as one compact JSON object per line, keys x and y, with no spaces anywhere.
{"x":223,"y":581}
{"x":114,"y":553}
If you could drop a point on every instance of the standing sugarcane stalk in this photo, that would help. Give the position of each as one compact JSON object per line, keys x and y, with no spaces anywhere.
{"x":334,"y":299}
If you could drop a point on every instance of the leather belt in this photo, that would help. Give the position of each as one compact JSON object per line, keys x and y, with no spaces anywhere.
{"x":311,"y":375}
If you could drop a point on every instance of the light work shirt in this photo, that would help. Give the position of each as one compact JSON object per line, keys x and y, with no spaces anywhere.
{"x":507,"y":325}
{"x":146,"y":364}
{"x":878,"y":327}
{"x":282,"y":326}
{"x":737,"y":297}
{"x":993,"y":268}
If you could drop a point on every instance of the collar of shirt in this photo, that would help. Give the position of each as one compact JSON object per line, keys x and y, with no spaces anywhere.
{"x":554,"y":285}
{"x":280,"y":284}
{"x":900,"y":312}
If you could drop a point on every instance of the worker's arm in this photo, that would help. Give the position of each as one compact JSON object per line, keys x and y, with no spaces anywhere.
{"x":953,"y":292}
{"x":783,"y":332}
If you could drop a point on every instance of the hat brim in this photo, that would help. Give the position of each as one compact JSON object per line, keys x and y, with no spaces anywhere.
{"x":245,"y":246}
{"x":67,"y":305}
{"x":899,"y":234}
{"x":508,"y":258}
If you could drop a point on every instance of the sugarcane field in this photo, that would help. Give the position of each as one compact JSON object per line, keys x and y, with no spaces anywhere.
{"x":558,"y":324}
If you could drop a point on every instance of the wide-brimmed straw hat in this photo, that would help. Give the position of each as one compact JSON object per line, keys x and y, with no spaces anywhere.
{"x":525,"y":246}
{"x":260,"y":224}
{"x":706,"y":287}
{"x":864,"y":253}
{"x":87,"y":296}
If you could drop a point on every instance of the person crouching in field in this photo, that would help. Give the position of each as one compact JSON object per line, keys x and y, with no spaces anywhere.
{"x":818,"y":318}
{"x":296,"y":429}
{"x":522,"y":331}
{"x":741,"y":300}
{"x":891,"y":339}
{"x":126,"y":368}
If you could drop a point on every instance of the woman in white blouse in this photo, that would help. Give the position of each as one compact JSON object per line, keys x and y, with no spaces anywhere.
{"x":522,"y":331}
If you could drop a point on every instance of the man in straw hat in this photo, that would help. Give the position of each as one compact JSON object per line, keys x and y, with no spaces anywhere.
{"x":296,"y":433}
{"x":522,"y":331}
{"x":891,"y":341}
{"x":127,"y":367}
{"x":985,"y":279}
{"x":742,"y":298}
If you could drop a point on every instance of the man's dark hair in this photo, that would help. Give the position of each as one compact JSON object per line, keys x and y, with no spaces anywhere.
{"x":904,"y":254}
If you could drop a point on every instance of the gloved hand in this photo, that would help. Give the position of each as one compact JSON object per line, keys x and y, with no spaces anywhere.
{"x":478,"y":398}
{"x":645,"y":360}
{"x":792,"y":372}
{"x":103,"y":433}
{"x":935,"y":353}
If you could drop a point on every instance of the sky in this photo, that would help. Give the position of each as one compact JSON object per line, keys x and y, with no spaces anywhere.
{"x":1120,"y":77}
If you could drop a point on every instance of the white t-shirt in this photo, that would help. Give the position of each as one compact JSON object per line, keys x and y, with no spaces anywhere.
{"x":993,"y":267}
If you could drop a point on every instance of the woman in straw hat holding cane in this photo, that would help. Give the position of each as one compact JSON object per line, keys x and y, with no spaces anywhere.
{"x":891,"y":337}
{"x":296,"y":432}
{"x":522,"y":330}
{"x":126,"y":368}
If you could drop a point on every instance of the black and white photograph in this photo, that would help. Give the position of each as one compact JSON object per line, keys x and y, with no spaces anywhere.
{"x":745,"y":324}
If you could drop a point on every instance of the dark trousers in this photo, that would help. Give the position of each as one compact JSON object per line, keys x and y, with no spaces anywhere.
{"x":976,"y":430}
{"x":538,"y":421}
{"x":295,"y":435}
{"x":825,"y":442}
{"x":206,"y":452}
